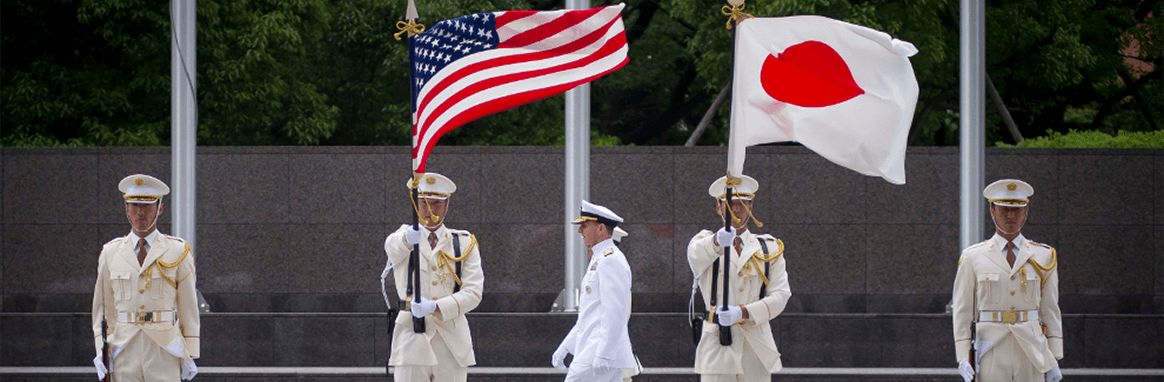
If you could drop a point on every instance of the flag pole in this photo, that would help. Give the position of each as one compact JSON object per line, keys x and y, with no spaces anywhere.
{"x":412,"y":28}
{"x":735,"y":15}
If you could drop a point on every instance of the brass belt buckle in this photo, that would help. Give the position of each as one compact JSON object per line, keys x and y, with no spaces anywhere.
{"x":1010,"y":317}
{"x":145,"y":317}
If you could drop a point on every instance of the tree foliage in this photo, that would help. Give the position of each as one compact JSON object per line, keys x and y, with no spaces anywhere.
{"x":304,"y":72}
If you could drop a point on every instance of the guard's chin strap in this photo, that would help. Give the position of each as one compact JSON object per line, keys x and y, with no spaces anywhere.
{"x":999,"y":228}
{"x":151,"y":227}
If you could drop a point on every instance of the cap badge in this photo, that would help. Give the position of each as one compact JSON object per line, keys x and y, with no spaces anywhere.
{"x":1011,"y":187}
{"x":138,"y":182}
{"x":430,"y":180}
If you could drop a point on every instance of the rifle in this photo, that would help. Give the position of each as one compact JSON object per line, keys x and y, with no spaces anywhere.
{"x":414,"y":266}
{"x":105,"y":351}
{"x":973,"y":334}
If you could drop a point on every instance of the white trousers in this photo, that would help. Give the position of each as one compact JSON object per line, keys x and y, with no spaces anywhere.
{"x":754,"y":370}
{"x":143,"y":360}
{"x":585,"y":373}
{"x":1006,"y":362}
{"x":447,"y":368}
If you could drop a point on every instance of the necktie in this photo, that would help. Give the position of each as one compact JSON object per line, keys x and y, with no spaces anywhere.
{"x":141,"y":251}
{"x":1010,"y":254}
{"x":432,"y":240}
{"x":738,"y":243}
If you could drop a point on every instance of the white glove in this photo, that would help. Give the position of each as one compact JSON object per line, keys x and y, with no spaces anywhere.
{"x":730,"y":316}
{"x":559,"y":359}
{"x":423,"y":308}
{"x":101,"y":370}
{"x":725,"y":237}
{"x":189,"y":370}
{"x":412,"y":236}
{"x":965,"y":369}
{"x":603,"y":363}
{"x":1054,"y":375}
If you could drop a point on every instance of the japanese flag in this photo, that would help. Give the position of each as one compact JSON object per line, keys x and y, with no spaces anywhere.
{"x":844,"y":91}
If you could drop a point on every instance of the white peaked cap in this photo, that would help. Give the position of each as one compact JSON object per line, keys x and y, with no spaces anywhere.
{"x":143,"y":189}
{"x":594,"y":212}
{"x":746,"y":189}
{"x":433,"y":186}
{"x":1009,"y":193}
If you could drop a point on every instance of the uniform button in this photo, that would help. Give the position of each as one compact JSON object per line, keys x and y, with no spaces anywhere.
{"x":141,"y":291}
{"x":434,"y":283}
{"x":741,"y":289}
{"x":1012,"y":307}
{"x":1012,"y":293}
{"x":141,"y":307}
{"x":741,"y":273}
{"x":434,"y":268}
{"x":1012,"y":277}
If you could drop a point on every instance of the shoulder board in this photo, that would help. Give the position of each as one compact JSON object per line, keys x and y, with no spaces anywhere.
{"x":608,"y":252}
{"x":116,"y":240}
{"x":983,"y":243}
{"x":458,"y":232}
{"x":175,"y":238}
{"x":703,"y":233}
{"x":1039,"y":244}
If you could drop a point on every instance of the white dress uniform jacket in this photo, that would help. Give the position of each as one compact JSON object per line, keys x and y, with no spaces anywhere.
{"x":437,"y":279}
{"x":986,"y":284}
{"x":746,"y":283}
{"x":603,"y":311}
{"x":164,"y":286}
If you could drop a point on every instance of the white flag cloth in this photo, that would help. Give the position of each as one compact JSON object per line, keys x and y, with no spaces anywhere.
{"x":844,"y":91}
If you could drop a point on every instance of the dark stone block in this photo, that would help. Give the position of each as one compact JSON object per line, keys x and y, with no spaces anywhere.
{"x":50,"y":258}
{"x":295,"y":302}
{"x":528,"y":189}
{"x":1105,"y":304}
{"x":694,"y":173}
{"x":515,"y":302}
{"x":804,"y":189}
{"x":236,"y":189}
{"x":1074,"y":342}
{"x":929,"y":195}
{"x":114,"y":167}
{"x":660,"y":302}
{"x":37,"y":340}
{"x":240,"y":340}
{"x":1159,"y":256}
{"x":915,"y":341}
{"x":338,"y":189}
{"x":1040,"y":170}
{"x":823,"y":258}
{"x":1105,"y":260}
{"x":52,"y":189}
{"x":926,"y":265}
{"x":815,"y":341}
{"x":518,"y":258}
{"x":1108,"y":189}
{"x":636,"y":187}
{"x":650,"y":251}
{"x":681,"y":237}
{"x":1108,"y":340}
{"x":84,"y":345}
{"x":322,"y":340}
{"x":826,"y":303}
{"x":907,"y":303}
{"x":657,"y":339}
{"x":494,"y":337}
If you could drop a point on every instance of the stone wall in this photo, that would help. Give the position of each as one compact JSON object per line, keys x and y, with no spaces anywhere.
{"x":301,"y":229}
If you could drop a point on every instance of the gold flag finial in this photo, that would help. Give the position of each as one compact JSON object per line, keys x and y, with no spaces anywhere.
{"x":411,"y":27}
{"x":735,"y":13}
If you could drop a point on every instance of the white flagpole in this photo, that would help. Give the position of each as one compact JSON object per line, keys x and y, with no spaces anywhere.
{"x":971,"y":121}
{"x":577,"y":183}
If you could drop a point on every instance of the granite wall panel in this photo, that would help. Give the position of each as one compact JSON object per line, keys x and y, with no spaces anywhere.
{"x":1158,"y":192}
{"x":929,"y":195}
{"x":464,"y":167}
{"x":695,"y":169}
{"x":51,"y":189}
{"x":323,"y":340}
{"x":38,"y":341}
{"x":823,"y":258}
{"x":1105,"y":260}
{"x":526,"y":188}
{"x":925,"y":266}
{"x":804,"y":188}
{"x":52,"y":258}
{"x":1107,"y":343}
{"x":534,"y":265}
{"x":114,"y":167}
{"x":238,"y":340}
{"x":634,"y":184}
{"x":650,"y":253}
{"x":1109,"y":189}
{"x":1159,"y":257}
{"x":238,"y":189}
{"x":337,"y":188}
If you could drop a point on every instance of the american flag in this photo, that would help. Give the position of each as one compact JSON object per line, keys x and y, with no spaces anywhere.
{"x":472,"y":66}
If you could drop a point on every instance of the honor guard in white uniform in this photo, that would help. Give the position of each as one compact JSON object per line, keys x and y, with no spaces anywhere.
{"x":627,"y":374}
{"x":758,"y":290}
{"x":451,"y":283}
{"x":1008,"y":287}
{"x":599,"y":339}
{"x":145,"y":294}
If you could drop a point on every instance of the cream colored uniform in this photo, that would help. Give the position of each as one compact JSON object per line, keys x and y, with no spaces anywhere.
{"x":1020,"y":328}
{"x":753,"y":355}
{"x":445,"y":350}
{"x":164,"y":287}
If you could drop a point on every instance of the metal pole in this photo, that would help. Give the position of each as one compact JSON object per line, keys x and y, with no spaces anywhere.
{"x":972,"y":119}
{"x":577,"y":181}
{"x":184,"y":123}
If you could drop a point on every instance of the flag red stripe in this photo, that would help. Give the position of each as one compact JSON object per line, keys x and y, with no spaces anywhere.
{"x":611,"y":46}
{"x":453,"y":78}
{"x":543,"y":31}
{"x":510,"y":16}
{"x":505,"y":103}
